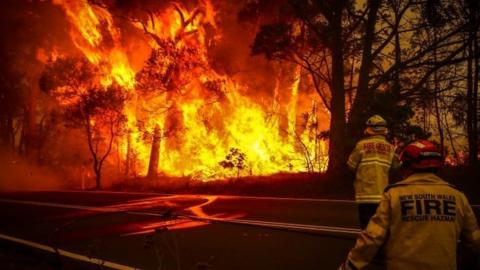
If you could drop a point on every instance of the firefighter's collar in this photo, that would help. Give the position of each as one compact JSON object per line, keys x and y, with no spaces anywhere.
{"x":377,"y":136}
{"x":424,"y":177}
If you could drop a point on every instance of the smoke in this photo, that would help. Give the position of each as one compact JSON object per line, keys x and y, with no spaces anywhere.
{"x":17,"y":174}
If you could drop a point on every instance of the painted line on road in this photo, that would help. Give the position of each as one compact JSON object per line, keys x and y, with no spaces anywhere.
{"x":271,"y":224}
{"x":283,"y":225}
{"x":57,"y":205}
{"x":79,"y":207}
{"x":68,"y":254}
{"x":280,"y":225}
{"x":219,"y":196}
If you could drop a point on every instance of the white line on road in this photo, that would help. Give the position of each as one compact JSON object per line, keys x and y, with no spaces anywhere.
{"x":68,"y":206}
{"x":219,"y":196}
{"x":283,"y":225}
{"x":261,"y":223}
{"x":280,"y":225}
{"x":68,"y":254}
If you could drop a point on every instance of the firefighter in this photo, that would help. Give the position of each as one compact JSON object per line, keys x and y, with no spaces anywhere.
{"x":372,"y":159}
{"x":419,"y":220}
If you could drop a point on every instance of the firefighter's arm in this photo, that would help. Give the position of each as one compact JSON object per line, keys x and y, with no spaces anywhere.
{"x":470,"y":230}
{"x":371,"y":239}
{"x":355,"y":158}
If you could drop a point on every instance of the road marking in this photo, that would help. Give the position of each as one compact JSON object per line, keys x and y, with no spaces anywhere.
{"x":79,"y":207}
{"x":68,"y":254}
{"x":219,"y":196}
{"x":68,"y":206}
{"x":283,"y":225}
{"x":261,"y":223}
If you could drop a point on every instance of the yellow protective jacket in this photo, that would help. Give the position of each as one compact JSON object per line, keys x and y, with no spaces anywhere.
{"x":372,"y":159}
{"x":419,"y":222}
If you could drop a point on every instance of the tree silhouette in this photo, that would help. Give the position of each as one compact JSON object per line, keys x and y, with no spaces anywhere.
{"x":234,"y":160}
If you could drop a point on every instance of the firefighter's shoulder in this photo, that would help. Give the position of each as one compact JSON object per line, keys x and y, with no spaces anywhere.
{"x":451,"y":185}
{"x":404,"y":184}
{"x":455,"y":187}
{"x":364,"y":140}
{"x":395,"y":185}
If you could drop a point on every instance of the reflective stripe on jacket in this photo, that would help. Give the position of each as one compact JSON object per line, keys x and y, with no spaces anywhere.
{"x":372,"y":159}
{"x":419,"y":222}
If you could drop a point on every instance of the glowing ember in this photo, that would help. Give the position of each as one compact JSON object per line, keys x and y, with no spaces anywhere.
{"x":204,"y":123}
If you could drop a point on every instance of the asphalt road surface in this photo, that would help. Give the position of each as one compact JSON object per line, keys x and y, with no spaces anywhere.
{"x":92,"y":230}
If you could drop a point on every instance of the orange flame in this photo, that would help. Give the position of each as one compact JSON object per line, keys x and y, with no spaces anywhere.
{"x":206,"y":129}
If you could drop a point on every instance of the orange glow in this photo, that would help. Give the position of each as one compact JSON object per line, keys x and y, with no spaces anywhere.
{"x":199,"y":123}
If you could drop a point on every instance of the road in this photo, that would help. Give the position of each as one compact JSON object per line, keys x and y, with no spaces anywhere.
{"x":151,"y":231}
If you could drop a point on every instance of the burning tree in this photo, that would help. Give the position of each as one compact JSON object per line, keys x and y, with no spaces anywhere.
{"x":361,"y":63}
{"x":162,"y":75}
{"x":99,"y":112}
{"x":96,"y":109}
{"x":180,"y":99}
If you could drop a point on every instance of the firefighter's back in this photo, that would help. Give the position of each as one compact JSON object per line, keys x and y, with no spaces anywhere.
{"x":373,"y":168}
{"x":419,"y":220}
{"x":427,"y":219}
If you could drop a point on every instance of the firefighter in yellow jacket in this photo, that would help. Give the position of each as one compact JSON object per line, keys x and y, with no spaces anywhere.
{"x":372,"y":159}
{"x":419,"y":220}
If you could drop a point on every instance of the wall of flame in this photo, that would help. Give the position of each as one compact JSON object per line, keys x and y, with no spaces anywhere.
{"x":266,"y":130}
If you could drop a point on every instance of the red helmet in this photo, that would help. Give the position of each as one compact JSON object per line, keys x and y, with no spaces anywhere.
{"x":422,"y":154}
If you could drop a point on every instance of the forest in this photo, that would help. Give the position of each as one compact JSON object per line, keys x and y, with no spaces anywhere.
{"x":96,"y":92}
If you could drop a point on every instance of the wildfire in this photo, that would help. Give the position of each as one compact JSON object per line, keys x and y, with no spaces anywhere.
{"x":204,"y":123}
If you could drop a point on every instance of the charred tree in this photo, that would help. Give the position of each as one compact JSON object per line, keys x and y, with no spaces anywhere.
{"x":360,"y":108}
{"x":473,"y":72}
{"x":9,"y":105}
{"x":100,"y":113}
{"x":472,"y":136}
{"x":336,"y":150}
{"x":128,"y":155}
{"x":436,"y":98}
{"x":95,"y":109}
{"x":29,"y":128}
{"x":155,"y":153}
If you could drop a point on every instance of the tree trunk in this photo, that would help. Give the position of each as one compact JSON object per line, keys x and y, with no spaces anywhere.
{"x":155,"y":153}
{"x":336,"y":150}
{"x":435,"y":99}
{"x":30,"y":124}
{"x":450,"y":137}
{"x":471,"y":104}
{"x":473,"y":73}
{"x":98,"y":177}
{"x":7,"y":132}
{"x":360,"y":107}
{"x":438,"y":117}
{"x":128,"y":154}
{"x":476,"y":79}
{"x":396,"y":89}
